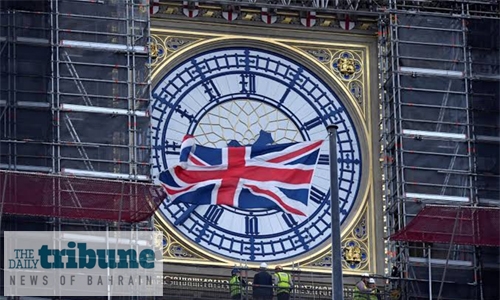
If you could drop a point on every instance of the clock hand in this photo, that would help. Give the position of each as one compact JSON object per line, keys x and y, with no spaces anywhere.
{"x":185,"y":215}
{"x":211,"y":215}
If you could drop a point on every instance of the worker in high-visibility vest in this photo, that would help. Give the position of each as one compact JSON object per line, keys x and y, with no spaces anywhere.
{"x":375,"y":295}
{"x":236,"y":284}
{"x":283,"y":282}
{"x":361,"y":290}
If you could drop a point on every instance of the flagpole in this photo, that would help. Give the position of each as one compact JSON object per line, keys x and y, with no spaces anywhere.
{"x":337,"y":284}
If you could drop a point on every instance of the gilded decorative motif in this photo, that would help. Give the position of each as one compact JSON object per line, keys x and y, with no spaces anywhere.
{"x":347,"y":65}
{"x":162,"y":47}
{"x":175,"y":43}
{"x":153,"y":50}
{"x":175,"y":249}
{"x":355,"y":251}
{"x":360,"y":231}
{"x":157,"y":49}
{"x":356,"y":89}
{"x":355,"y":255}
{"x":324,"y":262}
{"x":321,"y":55}
{"x":352,"y":254}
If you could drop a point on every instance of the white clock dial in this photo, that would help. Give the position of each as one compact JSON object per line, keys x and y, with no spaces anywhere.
{"x":235,"y":95}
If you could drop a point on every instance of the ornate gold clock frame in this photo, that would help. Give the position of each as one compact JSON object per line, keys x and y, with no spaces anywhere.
{"x":350,"y":60}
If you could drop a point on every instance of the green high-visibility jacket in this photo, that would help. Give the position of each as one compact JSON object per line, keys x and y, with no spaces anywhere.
{"x":357,"y":295}
{"x":234,"y":286}
{"x":283,"y":282}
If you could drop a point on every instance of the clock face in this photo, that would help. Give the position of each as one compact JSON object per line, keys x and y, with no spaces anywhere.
{"x":247,"y":95}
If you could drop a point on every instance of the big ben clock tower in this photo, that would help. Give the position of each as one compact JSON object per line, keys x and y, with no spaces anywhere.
{"x":227,"y":89}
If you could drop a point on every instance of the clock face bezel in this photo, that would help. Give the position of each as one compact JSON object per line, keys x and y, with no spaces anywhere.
{"x":316,"y":69}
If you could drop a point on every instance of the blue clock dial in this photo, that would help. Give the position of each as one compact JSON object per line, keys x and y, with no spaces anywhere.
{"x":245,"y":96}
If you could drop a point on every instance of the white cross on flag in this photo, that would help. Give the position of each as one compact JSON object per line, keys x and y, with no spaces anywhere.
{"x":347,"y":24}
{"x":190,"y":9}
{"x":309,"y":20}
{"x":230,"y":15}
{"x":268,"y":17}
{"x":154,"y":6}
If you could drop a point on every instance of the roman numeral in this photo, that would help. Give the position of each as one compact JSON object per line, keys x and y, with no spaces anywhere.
{"x":252,"y":248}
{"x":324,"y":159}
{"x":185,"y":215}
{"x":317,"y":195}
{"x":289,"y":220}
{"x":334,"y":113}
{"x":313,"y":123}
{"x":295,"y":79}
{"x":251,"y":225}
{"x":247,"y":83}
{"x":211,"y":89}
{"x":213,"y":214}
{"x":184,"y":113}
{"x":169,"y":147}
{"x":178,"y":109}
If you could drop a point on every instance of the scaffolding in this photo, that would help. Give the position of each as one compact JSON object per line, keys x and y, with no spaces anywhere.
{"x":74,"y":122}
{"x":439,"y":75}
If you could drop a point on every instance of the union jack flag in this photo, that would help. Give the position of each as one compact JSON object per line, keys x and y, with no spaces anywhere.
{"x":248,"y":177}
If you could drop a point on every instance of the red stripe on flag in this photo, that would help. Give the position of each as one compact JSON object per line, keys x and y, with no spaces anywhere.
{"x":229,"y":184}
{"x":195,"y":161}
{"x":174,"y":192}
{"x":295,"y":153}
{"x":256,"y":173}
{"x":186,"y":137}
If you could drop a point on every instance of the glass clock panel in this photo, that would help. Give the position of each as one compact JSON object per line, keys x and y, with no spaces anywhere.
{"x":242,"y":96}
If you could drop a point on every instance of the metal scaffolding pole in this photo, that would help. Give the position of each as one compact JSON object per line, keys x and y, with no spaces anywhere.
{"x":448,"y":254}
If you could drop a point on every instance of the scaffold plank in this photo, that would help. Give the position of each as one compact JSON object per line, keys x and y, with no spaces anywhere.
{"x":436,"y":197}
{"x":26,"y":168}
{"x":107,"y":175}
{"x":438,"y":261}
{"x":446,"y":135}
{"x":437,"y":72}
{"x":104,"y":46}
{"x":65,"y":236}
{"x":101,"y":110}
